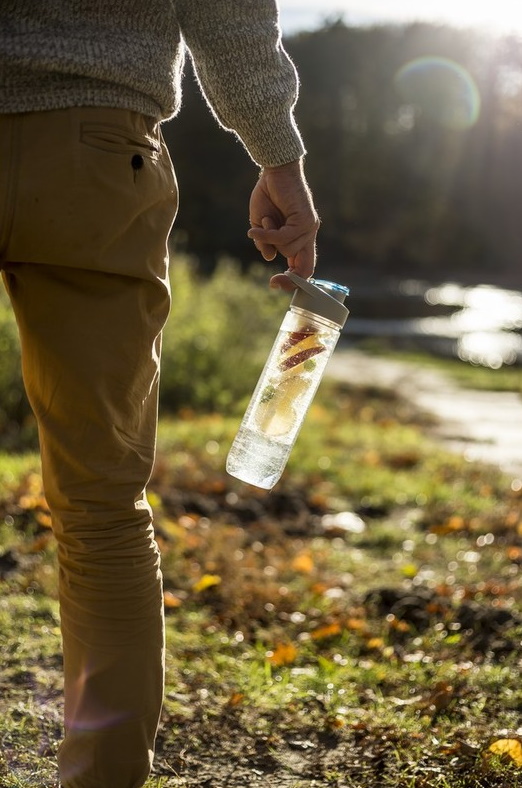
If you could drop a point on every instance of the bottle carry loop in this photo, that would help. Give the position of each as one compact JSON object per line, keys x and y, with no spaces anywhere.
{"x":320,"y":297}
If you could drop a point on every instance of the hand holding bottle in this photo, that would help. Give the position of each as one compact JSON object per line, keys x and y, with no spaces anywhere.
{"x":284,"y":220}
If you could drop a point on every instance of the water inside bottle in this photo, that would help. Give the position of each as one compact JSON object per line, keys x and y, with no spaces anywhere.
{"x":282,"y":396}
{"x":256,"y":459}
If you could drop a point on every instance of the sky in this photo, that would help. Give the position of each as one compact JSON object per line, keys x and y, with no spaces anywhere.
{"x":495,"y":15}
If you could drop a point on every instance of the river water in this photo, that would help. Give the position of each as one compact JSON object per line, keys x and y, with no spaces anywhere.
{"x":479,"y":324}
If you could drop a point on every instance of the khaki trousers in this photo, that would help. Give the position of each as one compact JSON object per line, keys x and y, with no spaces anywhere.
{"x":87,"y":200}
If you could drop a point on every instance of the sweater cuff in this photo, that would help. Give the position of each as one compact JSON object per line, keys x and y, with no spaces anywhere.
{"x":272,"y":140}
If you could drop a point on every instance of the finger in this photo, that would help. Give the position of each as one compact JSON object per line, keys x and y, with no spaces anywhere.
{"x":282,"y":282}
{"x":301,"y":249}
{"x":267,"y":250}
{"x":304,"y":261}
{"x":286,"y":243}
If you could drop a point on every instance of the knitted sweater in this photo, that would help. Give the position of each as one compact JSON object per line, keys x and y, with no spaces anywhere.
{"x":130,"y":53}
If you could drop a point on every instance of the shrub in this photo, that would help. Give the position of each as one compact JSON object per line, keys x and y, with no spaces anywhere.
{"x":217,"y":337}
{"x":16,"y":423}
{"x":218,"y":333}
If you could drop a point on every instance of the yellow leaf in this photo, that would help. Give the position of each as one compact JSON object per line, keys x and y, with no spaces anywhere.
{"x":31,"y":501}
{"x":206,"y":581}
{"x":153,"y":499}
{"x":327,"y":631}
{"x":398,"y":624}
{"x":409,"y":570}
{"x":514,"y":553}
{"x":170,"y":600}
{"x":357,"y":624}
{"x":44,"y":519}
{"x":319,"y":588}
{"x":456,"y":523}
{"x":453,"y":523}
{"x":303,"y":563}
{"x":510,"y":747}
{"x":236,"y":699}
{"x":376,"y":643}
{"x":283,"y":654}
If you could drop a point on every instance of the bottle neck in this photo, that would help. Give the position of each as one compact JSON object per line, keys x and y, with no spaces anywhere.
{"x":316,"y":318}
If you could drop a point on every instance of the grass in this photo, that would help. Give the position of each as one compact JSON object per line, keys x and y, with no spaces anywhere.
{"x":301,"y":653}
{"x":505,"y":378}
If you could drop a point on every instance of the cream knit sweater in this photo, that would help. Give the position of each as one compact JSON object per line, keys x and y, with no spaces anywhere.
{"x":130,"y":53}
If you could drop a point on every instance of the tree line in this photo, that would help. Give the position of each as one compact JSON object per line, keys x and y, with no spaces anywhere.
{"x":414,"y":144}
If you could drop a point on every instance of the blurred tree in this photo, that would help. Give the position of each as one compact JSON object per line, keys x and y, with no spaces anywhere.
{"x":404,"y":187}
{"x":215,"y":177}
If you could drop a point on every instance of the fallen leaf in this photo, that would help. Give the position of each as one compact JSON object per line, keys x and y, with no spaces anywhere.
{"x":357,"y":624}
{"x":170,"y":600}
{"x":454,"y":523}
{"x":283,"y":654}
{"x":376,"y":643}
{"x":510,"y":747}
{"x":32,"y":501}
{"x":440,"y":697}
{"x":303,"y":562}
{"x":236,"y":699}
{"x":153,"y":500}
{"x":206,"y":581}
{"x":398,"y":624}
{"x":44,"y":519}
{"x":328,"y":631}
{"x":514,"y":553}
{"x":319,"y":588}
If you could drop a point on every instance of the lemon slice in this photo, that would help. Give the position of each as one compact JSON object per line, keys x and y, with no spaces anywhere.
{"x":275,"y":416}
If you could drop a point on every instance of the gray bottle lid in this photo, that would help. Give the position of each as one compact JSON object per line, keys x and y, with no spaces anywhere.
{"x":320,"y":297}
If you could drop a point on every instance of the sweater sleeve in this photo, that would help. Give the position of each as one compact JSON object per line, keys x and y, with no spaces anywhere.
{"x":245,"y":74}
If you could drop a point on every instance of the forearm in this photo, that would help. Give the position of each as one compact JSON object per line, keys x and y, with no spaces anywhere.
{"x":246,"y":75}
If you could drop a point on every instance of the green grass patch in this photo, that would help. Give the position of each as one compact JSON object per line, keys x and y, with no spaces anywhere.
{"x":358,"y":626}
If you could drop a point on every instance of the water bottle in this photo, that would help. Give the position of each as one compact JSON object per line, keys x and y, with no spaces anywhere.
{"x":290,"y":378}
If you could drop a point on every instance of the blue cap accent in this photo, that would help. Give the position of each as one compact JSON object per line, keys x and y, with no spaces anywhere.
{"x":336,"y":290}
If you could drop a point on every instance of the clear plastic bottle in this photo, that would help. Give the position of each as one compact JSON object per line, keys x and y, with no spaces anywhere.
{"x":287,"y":385}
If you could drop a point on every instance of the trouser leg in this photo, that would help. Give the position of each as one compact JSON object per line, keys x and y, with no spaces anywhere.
{"x":90,"y":348}
{"x":83,"y":234}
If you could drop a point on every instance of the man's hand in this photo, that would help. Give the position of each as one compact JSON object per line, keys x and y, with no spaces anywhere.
{"x":284,"y":220}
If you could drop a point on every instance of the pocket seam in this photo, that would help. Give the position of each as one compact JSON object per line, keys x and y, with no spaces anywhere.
{"x":124,"y":140}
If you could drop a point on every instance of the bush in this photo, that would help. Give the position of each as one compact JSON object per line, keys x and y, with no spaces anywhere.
{"x":219,"y":332}
{"x":217,"y":337}
{"x":17,"y":428}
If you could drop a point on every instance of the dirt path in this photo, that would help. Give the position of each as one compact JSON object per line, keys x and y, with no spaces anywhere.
{"x":483,"y":425}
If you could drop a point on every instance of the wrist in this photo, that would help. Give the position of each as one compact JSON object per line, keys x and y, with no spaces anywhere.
{"x":291,"y":166}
